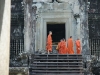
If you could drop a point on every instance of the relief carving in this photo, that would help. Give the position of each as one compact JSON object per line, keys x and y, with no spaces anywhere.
{"x":44,"y":7}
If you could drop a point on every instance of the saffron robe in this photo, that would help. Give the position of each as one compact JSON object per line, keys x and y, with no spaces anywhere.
{"x":60,"y":47}
{"x":78,"y":46}
{"x":49,"y":43}
{"x":64,"y":51}
{"x":70,"y":46}
{"x":66,"y":48}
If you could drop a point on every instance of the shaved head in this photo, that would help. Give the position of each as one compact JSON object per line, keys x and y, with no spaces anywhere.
{"x":50,"y":32}
{"x":70,"y":36}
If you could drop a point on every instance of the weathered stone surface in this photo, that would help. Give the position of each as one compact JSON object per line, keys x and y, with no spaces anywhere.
{"x":29,"y":26}
{"x":42,"y":0}
{"x":84,"y":30}
{"x":71,"y":1}
{"x":19,"y":71}
{"x":4,"y":36}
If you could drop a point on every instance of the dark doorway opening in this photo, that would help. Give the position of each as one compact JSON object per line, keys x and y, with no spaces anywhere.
{"x":58,"y":31}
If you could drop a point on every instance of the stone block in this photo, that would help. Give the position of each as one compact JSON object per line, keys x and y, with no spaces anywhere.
{"x":42,"y":0}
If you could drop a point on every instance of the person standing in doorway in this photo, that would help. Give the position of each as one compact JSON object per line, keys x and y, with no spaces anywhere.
{"x":70,"y":46}
{"x":78,"y":46}
{"x":49,"y":43}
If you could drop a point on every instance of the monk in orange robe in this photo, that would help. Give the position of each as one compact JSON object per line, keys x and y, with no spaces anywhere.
{"x":60,"y":46}
{"x":64,"y":51}
{"x":66,"y":47}
{"x":70,"y":46}
{"x":49,"y":43}
{"x":78,"y":46}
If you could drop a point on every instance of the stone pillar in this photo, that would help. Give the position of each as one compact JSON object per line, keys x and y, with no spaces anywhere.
{"x":29,"y":27}
{"x":4,"y":36}
{"x":78,"y":28}
{"x":84,"y":30}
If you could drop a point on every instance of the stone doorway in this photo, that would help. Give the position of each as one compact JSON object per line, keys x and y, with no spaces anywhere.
{"x":56,"y":15}
{"x":58,"y":30}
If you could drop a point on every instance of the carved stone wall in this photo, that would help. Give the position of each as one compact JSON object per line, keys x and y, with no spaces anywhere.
{"x":54,"y":12}
{"x":71,"y":12}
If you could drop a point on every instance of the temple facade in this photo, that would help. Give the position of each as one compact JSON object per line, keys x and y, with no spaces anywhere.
{"x":72,"y":14}
{"x":68,"y":17}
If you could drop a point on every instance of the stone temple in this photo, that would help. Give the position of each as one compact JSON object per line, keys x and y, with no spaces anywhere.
{"x":64,"y":18}
{"x":24,"y":26}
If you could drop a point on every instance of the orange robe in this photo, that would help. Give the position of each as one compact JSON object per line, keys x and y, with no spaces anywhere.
{"x":49,"y":43}
{"x":70,"y":46}
{"x":64,"y":51}
{"x":60,"y":47}
{"x":78,"y":46}
{"x":66,"y":48}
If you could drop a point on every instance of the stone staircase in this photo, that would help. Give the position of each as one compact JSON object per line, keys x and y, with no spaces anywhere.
{"x":56,"y":64}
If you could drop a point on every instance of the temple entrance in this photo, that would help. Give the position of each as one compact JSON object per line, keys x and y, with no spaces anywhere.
{"x":58,"y":30}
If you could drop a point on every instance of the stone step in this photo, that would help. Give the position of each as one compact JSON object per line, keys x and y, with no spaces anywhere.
{"x":58,"y":59}
{"x":57,"y":71}
{"x":58,"y":55}
{"x":52,"y":56}
{"x":56,"y":74}
{"x":57,"y":68}
{"x":56,"y":64}
{"x":61,"y":65}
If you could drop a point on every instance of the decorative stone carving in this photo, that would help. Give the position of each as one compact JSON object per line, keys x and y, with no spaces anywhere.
{"x":45,"y":7}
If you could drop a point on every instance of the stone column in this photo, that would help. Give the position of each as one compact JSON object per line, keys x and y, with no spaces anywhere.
{"x":29,"y":26}
{"x":78,"y":28}
{"x":84,"y":30}
{"x":4,"y":36}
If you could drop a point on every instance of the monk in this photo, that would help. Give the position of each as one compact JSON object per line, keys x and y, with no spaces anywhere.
{"x":49,"y":43}
{"x":60,"y":47}
{"x":65,"y":49}
{"x":70,"y":46}
{"x":78,"y":46}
